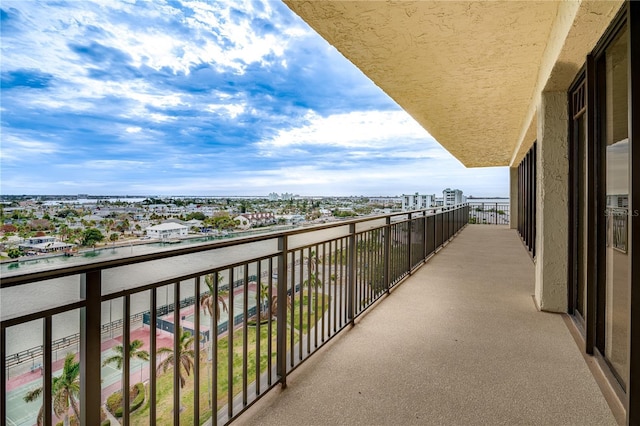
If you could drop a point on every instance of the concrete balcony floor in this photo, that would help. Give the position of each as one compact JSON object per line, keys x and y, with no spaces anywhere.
{"x":458,"y":343}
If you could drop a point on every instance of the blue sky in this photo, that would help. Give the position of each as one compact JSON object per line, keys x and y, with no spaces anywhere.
{"x":201,"y":98}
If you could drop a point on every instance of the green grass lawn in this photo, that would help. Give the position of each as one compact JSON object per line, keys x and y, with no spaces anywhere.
{"x":165,"y":380}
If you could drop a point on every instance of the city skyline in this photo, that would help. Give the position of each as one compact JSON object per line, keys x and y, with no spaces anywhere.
{"x":205,"y":99}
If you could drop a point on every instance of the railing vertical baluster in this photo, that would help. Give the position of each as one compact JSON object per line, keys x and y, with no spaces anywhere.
{"x":361,"y":275}
{"x":153,"y":355}
{"x":230,"y":329}
{"x":270,"y":316}
{"x":443,"y":225}
{"x":335,"y":284}
{"x":340,"y":295}
{"x":300,"y":304}
{"x":424,"y":235}
{"x":90,"y":349}
{"x":366,"y":284}
{"x":258,"y":328}
{"x":409,"y":242}
{"x":3,"y":374}
{"x":370,"y":268}
{"x":176,"y":353}
{"x":326,"y":265}
{"x":361,"y":281}
{"x":310,"y":278}
{"x":214,"y":350}
{"x":196,"y":350}
{"x":315,"y":298}
{"x":281,"y":332}
{"x":352,"y":273}
{"x":387,"y":254}
{"x":292,"y":346}
{"x":47,"y":397}
{"x":245,"y":333}
{"x":126,"y":364}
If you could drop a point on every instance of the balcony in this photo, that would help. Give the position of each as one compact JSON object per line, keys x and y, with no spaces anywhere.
{"x":459,"y":342}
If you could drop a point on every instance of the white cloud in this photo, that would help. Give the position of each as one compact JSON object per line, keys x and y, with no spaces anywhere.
{"x":356,"y":135}
{"x":114,"y":165}
{"x":311,"y":179}
{"x":18,"y":148}
{"x":231,"y":110}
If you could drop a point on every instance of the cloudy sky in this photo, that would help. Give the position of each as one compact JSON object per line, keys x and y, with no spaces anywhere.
{"x":184,"y":97}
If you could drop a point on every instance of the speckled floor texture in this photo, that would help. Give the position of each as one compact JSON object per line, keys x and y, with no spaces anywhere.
{"x":458,"y":343}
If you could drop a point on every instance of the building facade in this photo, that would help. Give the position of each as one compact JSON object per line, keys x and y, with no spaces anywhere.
{"x":550,"y":89}
{"x":44,"y":245}
{"x":167,"y":230}
{"x":452,"y":197}
{"x":417,"y":201}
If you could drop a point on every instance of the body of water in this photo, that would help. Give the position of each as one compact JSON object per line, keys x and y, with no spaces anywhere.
{"x":38,"y":296}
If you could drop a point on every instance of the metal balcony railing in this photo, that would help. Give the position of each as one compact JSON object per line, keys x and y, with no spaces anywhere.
{"x":259,"y":307}
{"x":489,"y":213}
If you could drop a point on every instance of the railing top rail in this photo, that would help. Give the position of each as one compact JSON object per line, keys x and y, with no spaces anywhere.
{"x":18,"y":278}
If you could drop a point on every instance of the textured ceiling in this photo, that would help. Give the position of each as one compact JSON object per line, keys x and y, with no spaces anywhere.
{"x":468,"y":72}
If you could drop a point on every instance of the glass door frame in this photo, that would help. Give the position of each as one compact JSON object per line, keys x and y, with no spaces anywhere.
{"x":629,"y":17}
{"x":594,"y":191}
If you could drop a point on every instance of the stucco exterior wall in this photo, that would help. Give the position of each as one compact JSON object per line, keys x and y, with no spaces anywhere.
{"x":552,"y":203}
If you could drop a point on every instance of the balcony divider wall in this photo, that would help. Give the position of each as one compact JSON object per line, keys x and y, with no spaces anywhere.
{"x":227,"y":329}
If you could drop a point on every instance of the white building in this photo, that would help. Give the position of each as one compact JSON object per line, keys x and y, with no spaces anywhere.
{"x":452,"y":197}
{"x":417,"y":201}
{"x":44,"y":244}
{"x":248,"y":220}
{"x":167,"y":230}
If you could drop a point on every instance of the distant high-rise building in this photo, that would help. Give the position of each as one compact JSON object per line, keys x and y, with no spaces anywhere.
{"x":452,"y":197}
{"x":417,"y":201}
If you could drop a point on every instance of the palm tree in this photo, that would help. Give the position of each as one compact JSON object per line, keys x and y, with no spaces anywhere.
{"x":65,"y":390}
{"x":134,"y":352}
{"x":185,"y":356}
{"x":313,"y":280}
{"x":264,"y":295}
{"x":312,"y":261}
{"x":207,"y":302}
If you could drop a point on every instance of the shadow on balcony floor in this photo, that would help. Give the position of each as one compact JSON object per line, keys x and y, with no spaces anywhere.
{"x":460,"y":342}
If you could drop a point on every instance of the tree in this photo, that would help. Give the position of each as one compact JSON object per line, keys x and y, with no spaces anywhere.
{"x":63,"y":231}
{"x":14,"y":253}
{"x":185,"y":356}
{"x":125,"y":225}
{"x":313,"y":280}
{"x":109,"y":224}
{"x":134,"y":352}
{"x":114,"y":237}
{"x":207,"y":301}
{"x":312,"y":263}
{"x":65,"y":390}
{"x":91,"y":236}
{"x":264,"y":297}
{"x":196,"y":215}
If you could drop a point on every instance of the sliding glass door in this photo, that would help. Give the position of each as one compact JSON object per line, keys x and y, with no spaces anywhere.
{"x":615,"y":283}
